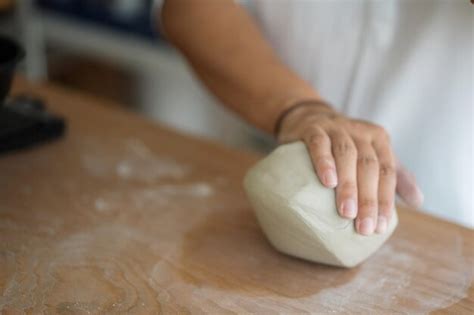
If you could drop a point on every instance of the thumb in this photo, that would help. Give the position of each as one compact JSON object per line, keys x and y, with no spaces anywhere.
{"x":407,"y":188}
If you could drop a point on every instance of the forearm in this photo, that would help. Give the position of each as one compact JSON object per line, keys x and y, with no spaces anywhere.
{"x":354,"y":157}
{"x":229,"y":54}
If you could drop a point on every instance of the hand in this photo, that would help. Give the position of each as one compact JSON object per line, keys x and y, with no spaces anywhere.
{"x":356,"y":158}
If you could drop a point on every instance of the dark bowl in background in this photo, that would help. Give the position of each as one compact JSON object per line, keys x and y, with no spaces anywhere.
{"x":10,"y":54}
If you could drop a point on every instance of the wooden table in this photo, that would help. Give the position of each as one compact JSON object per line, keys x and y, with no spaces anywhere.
{"x":124,"y":216}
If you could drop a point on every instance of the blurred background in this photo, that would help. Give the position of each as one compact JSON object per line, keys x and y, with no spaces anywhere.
{"x":112,"y":49}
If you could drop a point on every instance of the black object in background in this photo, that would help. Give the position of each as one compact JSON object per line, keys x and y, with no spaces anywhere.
{"x":10,"y":54}
{"x":23,"y":120}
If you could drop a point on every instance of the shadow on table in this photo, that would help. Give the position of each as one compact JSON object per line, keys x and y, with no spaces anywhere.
{"x":229,"y":251}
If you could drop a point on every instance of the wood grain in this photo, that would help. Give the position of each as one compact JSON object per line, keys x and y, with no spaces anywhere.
{"x":124,"y":216}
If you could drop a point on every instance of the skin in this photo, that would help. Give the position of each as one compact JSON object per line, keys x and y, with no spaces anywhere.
{"x":227,"y":51}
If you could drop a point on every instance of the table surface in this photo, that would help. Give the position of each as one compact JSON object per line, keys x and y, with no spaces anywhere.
{"x":124,"y":216}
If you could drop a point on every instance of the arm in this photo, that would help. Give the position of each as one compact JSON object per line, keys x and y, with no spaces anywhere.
{"x":228,"y":53}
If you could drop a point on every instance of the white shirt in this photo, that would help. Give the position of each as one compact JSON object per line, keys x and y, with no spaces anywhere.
{"x":406,"y":65}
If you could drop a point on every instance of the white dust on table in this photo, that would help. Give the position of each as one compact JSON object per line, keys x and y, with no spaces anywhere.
{"x":130,"y":160}
{"x":391,"y":285}
{"x":133,"y":161}
{"x":149,"y":169}
{"x":36,"y":280}
{"x":393,"y":280}
{"x":155,"y":196}
{"x":101,"y":205}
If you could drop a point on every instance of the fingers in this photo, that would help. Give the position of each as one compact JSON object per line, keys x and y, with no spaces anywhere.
{"x":367,"y":183}
{"x":344,"y":152}
{"x":387,"y":183}
{"x":319,"y":147}
{"x":407,"y":188}
{"x":359,"y":162}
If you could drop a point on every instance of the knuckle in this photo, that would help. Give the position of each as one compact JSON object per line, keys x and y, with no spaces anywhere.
{"x":359,"y":124}
{"x":316,"y":139}
{"x":385,"y":205}
{"x":343,"y":148}
{"x":387,"y":170}
{"x":348,"y":187}
{"x":375,"y":127}
{"x":368,"y":204}
{"x":378,"y":129}
{"x":311,"y":127}
{"x":367,"y":159}
{"x":381,"y":133}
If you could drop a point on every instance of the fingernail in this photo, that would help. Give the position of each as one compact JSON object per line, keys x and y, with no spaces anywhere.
{"x":381,"y":224}
{"x":349,"y":208}
{"x":330,"y":178}
{"x":366,"y":226}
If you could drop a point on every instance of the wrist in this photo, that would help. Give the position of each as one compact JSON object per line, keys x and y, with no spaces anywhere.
{"x":302,"y":109}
